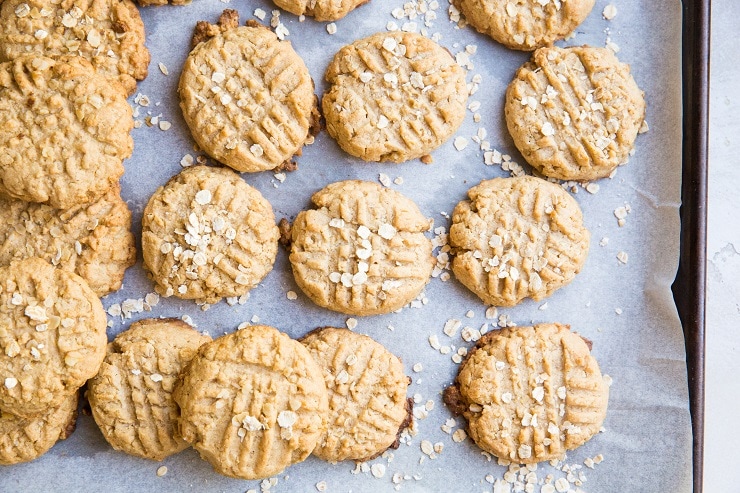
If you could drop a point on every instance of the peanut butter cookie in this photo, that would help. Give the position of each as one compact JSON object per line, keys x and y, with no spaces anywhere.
{"x":252,"y":402}
{"x":530,"y":394}
{"x":574,"y":113}
{"x":363,"y":250}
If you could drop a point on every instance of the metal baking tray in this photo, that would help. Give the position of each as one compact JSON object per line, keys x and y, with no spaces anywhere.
{"x":689,"y":286}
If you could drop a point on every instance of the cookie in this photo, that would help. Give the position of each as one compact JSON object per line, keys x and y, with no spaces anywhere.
{"x":147,"y":3}
{"x":131,"y":396}
{"x":321,"y":10}
{"x":367,"y":387}
{"x":393,"y":96}
{"x":52,"y":336}
{"x":206,"y":234}
{"x":64,"y":131}
{"x":108,"y":33}
{"x":363,"y":250}
{"x":525,"y":24}
{"x":574,"y":113}
{"x":92,"y":240}
{"x":252,"y":402}
{"x":517,"y":238}
{"x":247,"y":98}
{"x":529,"y":394}
{"x":26,"y":439}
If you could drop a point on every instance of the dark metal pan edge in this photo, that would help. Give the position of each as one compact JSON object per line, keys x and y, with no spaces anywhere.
{"x":690,"y":284}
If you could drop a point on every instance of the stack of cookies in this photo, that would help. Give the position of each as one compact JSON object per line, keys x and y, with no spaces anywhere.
{"x":65,"y":239}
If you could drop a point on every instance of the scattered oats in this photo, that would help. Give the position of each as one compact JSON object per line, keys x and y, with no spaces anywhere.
{"x":260,"y":14}
{"x":622,"y":257}
{"x":391,"y":26}
{"x":451,"y":327}
{"x":459,"y":435}
{"x":644,"y":128}
{"x":351,"y":323}
{"x":363,"y":232}
{"x":187,"y":160}
{"x":491,"y":312}
{"x":255,"y":319}
{"x":156,"y":377}
{"x":592,"y":188}
{"x":547,"y":129}
{"x":163,"y":68}
{"x":321,"y":486}
{"x":291,"y":295}
{"x":390,"y":44}
{"x":256,"y":149}
{"x":378,"y":470}
{"x":384,"y":179}
{"x":331,"y":28}
{"x":418,"y":367}
{"x":427,"y":447}
{"x":161,"y":471}
{"x":386,"y":231}
{"x":562,"y":485}
{"x":281,"y":31}
{"x":460,"y":143}
{"x":547,"y":488}
{"x":10,"y":383}
{"x":23,"y":10}
{"x":286,"y":419}
{"x":382,"y":122}
{"x":610,"y":11}
{"x":525,"y":451}
{"x":114,"y":310}
{"x":398,"y":180}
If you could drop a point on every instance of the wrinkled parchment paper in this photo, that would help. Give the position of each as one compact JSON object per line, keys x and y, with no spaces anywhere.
{"x":626,"y":309}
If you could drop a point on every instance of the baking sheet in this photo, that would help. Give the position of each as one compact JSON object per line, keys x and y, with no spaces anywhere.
{"x":626,"y":309}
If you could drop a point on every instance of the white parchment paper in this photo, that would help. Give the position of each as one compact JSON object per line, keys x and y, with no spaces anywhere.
{"x":625,"y":309}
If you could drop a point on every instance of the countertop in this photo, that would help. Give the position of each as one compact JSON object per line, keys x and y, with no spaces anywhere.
{"x":722,"y":401}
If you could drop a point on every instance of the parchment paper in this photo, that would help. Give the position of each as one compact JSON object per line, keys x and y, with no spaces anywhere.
{"x":625,"y":309}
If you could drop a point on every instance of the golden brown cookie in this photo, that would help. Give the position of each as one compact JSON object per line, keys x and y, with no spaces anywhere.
{"x":108,"y":33}
{"x":64,"y":131}
{"x":92,"y":240}
{"x":321,"y":10}
{"x":529,"y":394}
{"x":26,"y":439}
{"x":393,"y":96}
{"x":131,"y":396}
{"x":146,"y":3}
{"x":363,"y":250}
{"x":52,"y":336}
{"x":367,"y":394}
{"x":517,"y":238}
{"x":252,"y":402}
{"x":247,"y":98}
{"x":206,"y":234}
{"x":525,"y":24}
{"x":574,"y":113}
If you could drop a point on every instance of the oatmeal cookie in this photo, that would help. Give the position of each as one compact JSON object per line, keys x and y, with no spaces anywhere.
{"x":517,"y":238}
{"x":247,"y":97}
{"x":108,"y":33}
{"x":92,"y":240}
{"x":363,"y":250}
{"x":393,"y":96}
{"x":367,"y":395}
{"x":252,"y":402}
{"x":321,"y":10}
{"x":131,"y":396}
{"x":574,"y":113}
{"x":52,"y":336}
{"x":530,"y":394}
{"x":206,"y":235}
{"x":64,"y":131}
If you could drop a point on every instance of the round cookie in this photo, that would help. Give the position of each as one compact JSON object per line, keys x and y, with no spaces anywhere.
{"x":367,"y":387}
{"x":393,"y":97}
{"x":574,"y":113}
{"x":206,"y":234}
{"x":321,"y":10}
{"x":52,"y":336}
{"x":525,"y":24}
{"x":92,"y":240}
{"x":26,"y":439}
{"x":517,"y":238}
{"x":247,"y":98}
{"x":131,"y":396}
{"x":252,"y":402}
{"x":108,"y":33}
{"x":529,"y":394}
{"x":363,"y":251}
{"x":64,"y":130}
